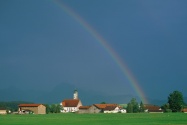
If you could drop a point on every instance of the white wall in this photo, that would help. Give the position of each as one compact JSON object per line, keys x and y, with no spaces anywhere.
{"x":3,"y":112}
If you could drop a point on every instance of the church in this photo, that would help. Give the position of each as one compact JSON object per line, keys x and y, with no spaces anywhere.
{"x":71,"y":105}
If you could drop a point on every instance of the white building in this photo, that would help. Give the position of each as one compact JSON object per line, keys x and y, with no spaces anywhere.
{"x":71,"y":105}
{"x":3,"y":111}
{"x":123,"y":111}
{"x":111,"y":109}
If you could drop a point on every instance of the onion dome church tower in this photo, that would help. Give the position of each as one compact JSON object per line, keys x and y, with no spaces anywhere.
{"x":75,"y":94}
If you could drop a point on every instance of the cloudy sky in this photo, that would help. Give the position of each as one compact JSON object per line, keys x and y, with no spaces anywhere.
{"x":43,"y":45}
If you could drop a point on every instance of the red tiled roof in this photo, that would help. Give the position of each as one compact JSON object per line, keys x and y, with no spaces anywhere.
{"x":184,"y":110}
{"x":153,"y":108}
{"x":84,"y":107}
{"x":102,"y":106}
{"x":29,"y":105}
{"x":2,"y":108}
{"x":109,"y":108}
{"x":70,"y":102}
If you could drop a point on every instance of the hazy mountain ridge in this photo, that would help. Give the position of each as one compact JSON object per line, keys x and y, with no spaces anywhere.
{"x":65,"y":91}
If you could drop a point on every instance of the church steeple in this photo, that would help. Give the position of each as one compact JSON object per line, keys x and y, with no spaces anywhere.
{"x":75,"y":95}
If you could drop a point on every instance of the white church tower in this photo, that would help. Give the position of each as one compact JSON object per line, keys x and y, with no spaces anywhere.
{"x":75,"y":95}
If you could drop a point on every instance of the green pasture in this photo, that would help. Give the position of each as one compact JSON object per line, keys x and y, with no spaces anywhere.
{"x":96,"y":119}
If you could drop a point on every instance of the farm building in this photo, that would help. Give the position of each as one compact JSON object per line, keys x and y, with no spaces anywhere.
{"x":71,"y":105}
{"x":99,"y":108}
{"x":184,"y":110}
{"x":84,"y":109}
{"x":111,"y":109}
{"x":89,"y":109}
{"x":35,"y":108}
{"x":105,"y":107}
{"x":152,"y":109}
{"x":3,"y":111}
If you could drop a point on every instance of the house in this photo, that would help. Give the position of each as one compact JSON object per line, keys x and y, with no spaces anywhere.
{"x":34,"y":108}
{"x":112,"y":109}
{"x":94,"y":109}
{"x":152,"y":109}
{"x":103,"y":106}
{"x":84,"y":109}
{"x":89,"y":109}
{"x":184,"y":110}
{"x":3,"y":111}
{"x":98,"y":108}
{"x":71,"y":105}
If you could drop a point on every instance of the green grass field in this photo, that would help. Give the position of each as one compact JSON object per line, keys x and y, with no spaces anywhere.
{"x":96,"y":119}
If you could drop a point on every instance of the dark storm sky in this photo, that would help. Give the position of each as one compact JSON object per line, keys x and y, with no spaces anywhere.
{"x":41,"y":44}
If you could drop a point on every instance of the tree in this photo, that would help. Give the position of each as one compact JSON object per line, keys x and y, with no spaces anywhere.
{"x":47,"y":108}
{"x":132,"y":106}
{"x":142,"y":108}
{"x":176,"y":101}
{"x":166,"y":108}
{"x":129,"y":108}
{"x":58,"y":108}
{"x":53,"y":108}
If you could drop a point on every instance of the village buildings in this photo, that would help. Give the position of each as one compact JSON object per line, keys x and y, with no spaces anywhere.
{"x":34,"y":108}
{"x":101,"y":108}
{"x":75,"y":105}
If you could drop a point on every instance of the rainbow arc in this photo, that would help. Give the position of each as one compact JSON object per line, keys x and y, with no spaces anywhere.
{"x":121,"y":64}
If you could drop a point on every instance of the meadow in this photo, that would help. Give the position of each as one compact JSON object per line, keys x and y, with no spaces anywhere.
{"x":96,"y":119}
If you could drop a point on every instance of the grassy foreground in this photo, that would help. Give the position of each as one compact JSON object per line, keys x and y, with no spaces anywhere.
{"x":96,"y":119}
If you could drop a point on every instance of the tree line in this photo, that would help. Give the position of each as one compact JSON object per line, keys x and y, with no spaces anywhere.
{"x":54,"y":108}
{"x":13,"y":105}
{"x":175,"y":103}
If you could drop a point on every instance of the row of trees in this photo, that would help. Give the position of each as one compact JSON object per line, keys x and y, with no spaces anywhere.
{"x":134,"y":107}
{"x":54,"y":108}
{"x":175,"y":104}
{"x":13,"y":105}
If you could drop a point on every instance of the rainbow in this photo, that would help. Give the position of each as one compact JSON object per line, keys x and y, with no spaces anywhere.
{"x":107,"y":48}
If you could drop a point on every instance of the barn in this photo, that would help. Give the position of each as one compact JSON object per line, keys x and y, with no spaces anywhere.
{"x":112,"y":109}
{"x":184,"y":110}
{"x":34,"y":108}
{"x":3,"y":111}
{"x":84,"y":109}
{"x":152,"y":109}
{"x":99,"y":108}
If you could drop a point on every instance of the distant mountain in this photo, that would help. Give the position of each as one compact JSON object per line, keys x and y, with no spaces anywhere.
{"x":65,"y":91}
{"x":15,"y":94}
{"x":58,"y":94}
{"x":162,"y":102}
{"x":12,"y":105}
{"x":158,"y":102}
